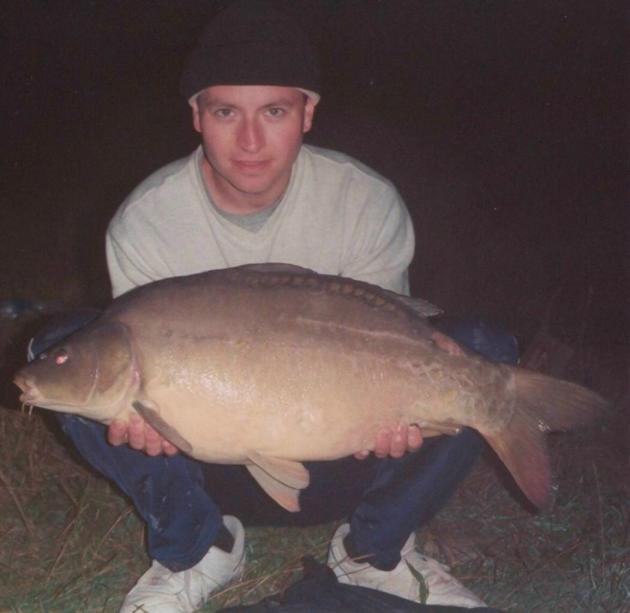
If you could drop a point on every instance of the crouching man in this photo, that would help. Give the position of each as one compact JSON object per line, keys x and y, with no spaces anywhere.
{"x":252,"y":192}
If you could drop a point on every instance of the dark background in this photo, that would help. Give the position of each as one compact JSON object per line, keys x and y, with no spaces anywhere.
{"x":503,"y":124}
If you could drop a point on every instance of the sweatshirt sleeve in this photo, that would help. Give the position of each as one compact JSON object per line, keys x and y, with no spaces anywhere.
{"x":127,"y":269}
{"x":381,"y":244}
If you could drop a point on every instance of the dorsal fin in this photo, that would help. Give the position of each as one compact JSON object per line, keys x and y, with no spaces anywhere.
{"x":337,"y":284}
{"x":419,"y":306}
{"x":276,"y":267}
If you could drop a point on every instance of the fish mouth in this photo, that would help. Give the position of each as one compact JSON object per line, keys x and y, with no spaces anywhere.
{"x":30,"y":395}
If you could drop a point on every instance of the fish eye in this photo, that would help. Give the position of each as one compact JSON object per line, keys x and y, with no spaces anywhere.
{"x":61,"y":356}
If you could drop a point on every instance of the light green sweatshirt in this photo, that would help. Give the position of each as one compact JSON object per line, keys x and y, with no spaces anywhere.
{"x":336,"y":217}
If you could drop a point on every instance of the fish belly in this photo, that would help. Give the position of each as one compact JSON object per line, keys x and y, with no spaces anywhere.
{"x":295,"y":398}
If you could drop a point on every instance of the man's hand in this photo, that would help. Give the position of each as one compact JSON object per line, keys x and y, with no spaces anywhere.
{"x":446,"y":343}
{"x":394,"y":443}
{"x":138,"y":434}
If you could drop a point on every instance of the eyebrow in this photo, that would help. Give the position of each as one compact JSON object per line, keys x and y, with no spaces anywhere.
{"x":281,"y":102}
{"x":214,"y":102}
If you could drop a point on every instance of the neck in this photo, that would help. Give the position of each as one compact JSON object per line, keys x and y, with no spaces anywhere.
{"x":230,"y":200}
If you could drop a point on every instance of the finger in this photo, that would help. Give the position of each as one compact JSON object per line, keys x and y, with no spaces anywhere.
{"x":152,"y":441}
{"x":414,"y":437}
{"x":117,"y":432}
{"x":361,"y":455}
{"x":383,"y":443}
{"x":398,"y":445}
{"x":168,"y":448}
{"x":136,"y":433}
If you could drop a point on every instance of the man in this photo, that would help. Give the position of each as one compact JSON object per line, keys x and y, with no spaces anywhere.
{"x":254,"y":193}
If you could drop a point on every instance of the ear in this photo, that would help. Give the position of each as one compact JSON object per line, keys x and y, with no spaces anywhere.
{"x":309,"y":113}
{"x":196,"y":120}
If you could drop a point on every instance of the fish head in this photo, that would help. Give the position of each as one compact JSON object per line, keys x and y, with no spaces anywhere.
{"x":90,"y":373}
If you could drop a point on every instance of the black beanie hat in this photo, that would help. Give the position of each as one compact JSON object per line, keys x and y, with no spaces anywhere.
{"x":250,"y":43}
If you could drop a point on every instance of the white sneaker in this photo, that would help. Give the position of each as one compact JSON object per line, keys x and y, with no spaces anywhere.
{"x":428,"y":582}
{"x":161,"y":590}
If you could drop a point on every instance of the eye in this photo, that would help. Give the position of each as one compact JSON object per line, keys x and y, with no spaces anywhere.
{"x":61,"y":356}
{"x":224,"y":113}
{"x":275,"y":111}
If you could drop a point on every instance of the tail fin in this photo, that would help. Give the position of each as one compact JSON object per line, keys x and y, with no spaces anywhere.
{"x":542,"y":404}
{"x":558,"y":404}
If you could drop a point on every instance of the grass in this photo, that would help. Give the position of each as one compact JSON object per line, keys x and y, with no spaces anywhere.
{"x":70,"y":543}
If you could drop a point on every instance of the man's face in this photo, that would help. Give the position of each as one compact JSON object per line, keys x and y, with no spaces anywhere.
{"x":251,"y":136}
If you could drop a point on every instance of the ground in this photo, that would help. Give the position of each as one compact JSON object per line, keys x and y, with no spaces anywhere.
{"x":502,"y":124}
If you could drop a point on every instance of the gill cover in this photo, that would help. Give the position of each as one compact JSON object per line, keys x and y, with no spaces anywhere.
{"x":115,"y":364}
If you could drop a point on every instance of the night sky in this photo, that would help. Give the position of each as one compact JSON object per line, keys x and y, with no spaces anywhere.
{"x":503,"y":124}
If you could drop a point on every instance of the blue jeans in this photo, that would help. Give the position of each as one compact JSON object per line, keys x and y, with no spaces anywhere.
{"x":182,"y":500}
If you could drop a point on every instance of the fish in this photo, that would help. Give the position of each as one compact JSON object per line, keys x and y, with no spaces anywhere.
{"x":273,"y":365}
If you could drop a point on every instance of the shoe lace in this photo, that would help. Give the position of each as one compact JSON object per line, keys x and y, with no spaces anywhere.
{"x":434,"y":571}
{"x":439,"y":580}
{"x":198,"y":587}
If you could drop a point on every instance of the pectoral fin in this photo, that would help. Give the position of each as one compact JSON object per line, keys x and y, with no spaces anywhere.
{"x":428,"y":431}
{"x":149,"y":412}
{"x":281,"y":479}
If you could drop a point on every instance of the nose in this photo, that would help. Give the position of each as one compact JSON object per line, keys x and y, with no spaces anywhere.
{"x":250,"y":135}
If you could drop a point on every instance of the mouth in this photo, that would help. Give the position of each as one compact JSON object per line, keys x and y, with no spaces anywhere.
{"x":252,"y":167}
